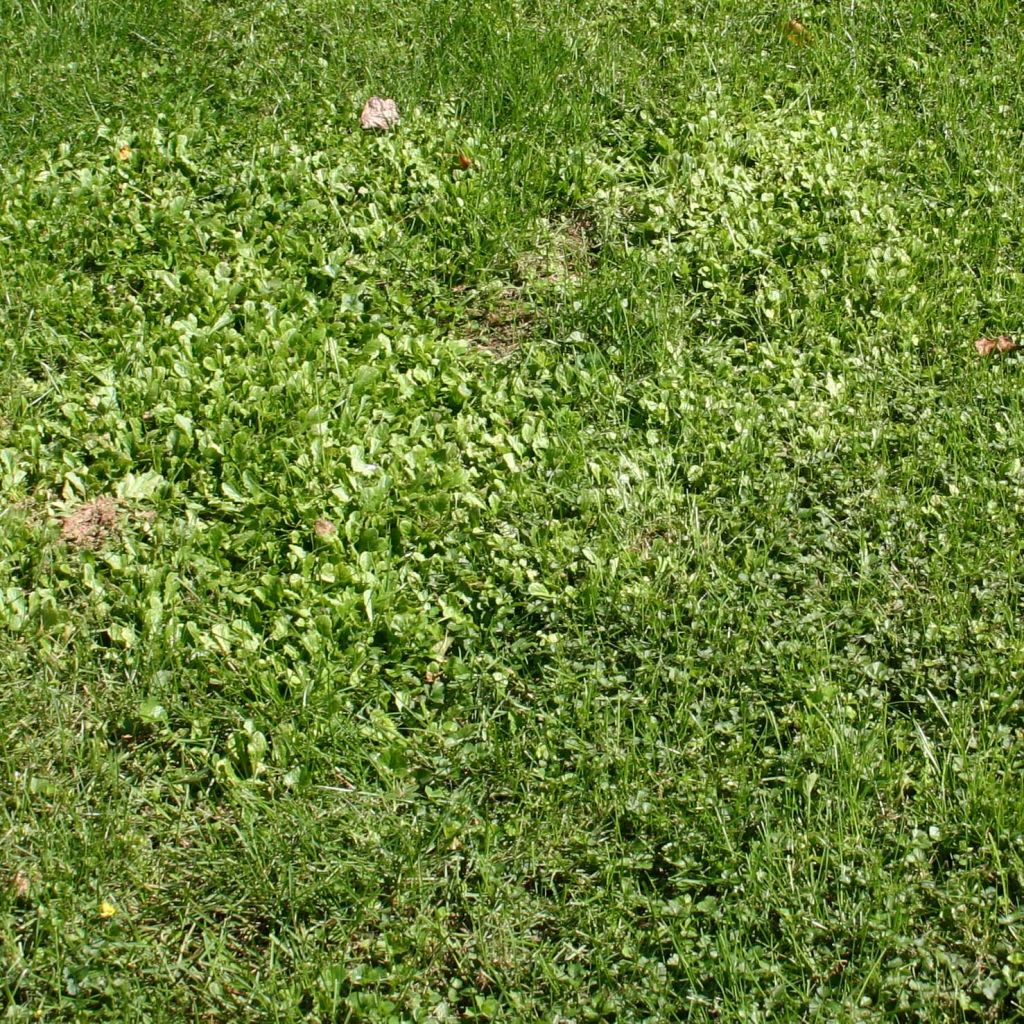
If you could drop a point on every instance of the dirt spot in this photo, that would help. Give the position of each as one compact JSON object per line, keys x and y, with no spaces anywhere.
{"x":653,"y":538}
{"x":502,"y":325}
{"x":90,"y":525}
{"x":564,"y":252}
{"x":579,"y":245}
{"x":581,"y":234}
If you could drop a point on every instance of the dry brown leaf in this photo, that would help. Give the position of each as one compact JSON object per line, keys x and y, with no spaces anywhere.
{"x":796,"y":32}
{"x":1001,"y":343}
{"x":465,"y":162}
{"x":324,"y":529}
{"x":91,"y":524}
{"x":379,"y":113}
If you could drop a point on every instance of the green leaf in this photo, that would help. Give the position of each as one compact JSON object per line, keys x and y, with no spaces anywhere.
{"x":136,"y":488}
{"x":151,"y":710}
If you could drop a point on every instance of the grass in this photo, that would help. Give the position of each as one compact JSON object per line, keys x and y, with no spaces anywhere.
{"x":579,"y":586}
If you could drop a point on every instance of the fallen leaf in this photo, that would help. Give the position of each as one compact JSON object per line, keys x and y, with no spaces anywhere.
{"x":796,"y":32}
{"x":107,"y":909}
{"x":465,"y":162}
{"x":379,"y":113}
{"x":324,"y":529}
{"x":1002,"y":343}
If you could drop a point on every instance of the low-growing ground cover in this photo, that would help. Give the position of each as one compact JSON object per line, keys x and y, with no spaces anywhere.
{"x":554,"y":560}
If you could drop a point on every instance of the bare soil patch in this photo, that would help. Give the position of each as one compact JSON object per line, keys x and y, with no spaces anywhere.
{"x":502,"y":325}
{"x":91,"y":524}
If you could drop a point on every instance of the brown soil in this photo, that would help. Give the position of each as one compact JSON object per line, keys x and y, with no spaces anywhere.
{"x":501,"y":327}
{"x":91,"y":524}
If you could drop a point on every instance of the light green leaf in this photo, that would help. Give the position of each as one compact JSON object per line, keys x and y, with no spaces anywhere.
{"x":137,"y":488}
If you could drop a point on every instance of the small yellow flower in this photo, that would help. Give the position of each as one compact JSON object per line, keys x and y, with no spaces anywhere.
{"x":107,"y":909}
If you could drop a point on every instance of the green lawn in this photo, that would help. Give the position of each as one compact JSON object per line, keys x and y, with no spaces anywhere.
{"x":583,"y":585}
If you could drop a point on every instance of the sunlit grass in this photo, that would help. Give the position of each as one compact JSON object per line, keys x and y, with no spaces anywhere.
{"x":555,"y":560}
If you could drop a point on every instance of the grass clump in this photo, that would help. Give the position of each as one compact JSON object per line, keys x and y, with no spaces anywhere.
{"x":554,"y":560}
